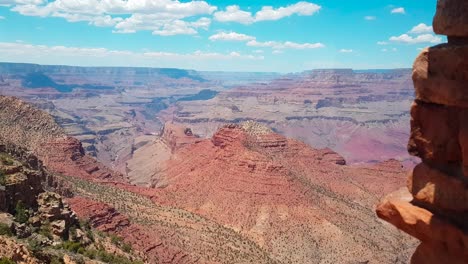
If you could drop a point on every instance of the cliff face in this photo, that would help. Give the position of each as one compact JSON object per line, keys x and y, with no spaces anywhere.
{"x":436,"y":209}
{"x":25,"y":127}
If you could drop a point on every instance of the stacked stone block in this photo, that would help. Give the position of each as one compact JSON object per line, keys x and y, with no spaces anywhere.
{"x":437,"y":211}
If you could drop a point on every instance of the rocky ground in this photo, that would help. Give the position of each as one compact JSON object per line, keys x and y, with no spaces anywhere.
{"x":37,"y":226}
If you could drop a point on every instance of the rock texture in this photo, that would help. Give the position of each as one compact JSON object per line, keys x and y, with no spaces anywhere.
{"x":17,"y":252}
{"x":435,"y":210}
{"x":25,"y":127}
{"x":451,"y":18}
{"x":274,"y":190}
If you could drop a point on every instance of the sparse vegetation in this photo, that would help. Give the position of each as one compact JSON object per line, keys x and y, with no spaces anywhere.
{"x":3,"y":178}
{"x":5,"y":260}
{"x":5,"y":230}
{"x":21,"y":213}
{"x":6,"y":160}
{"x":74,"y":247}
{"x":45,"y":230}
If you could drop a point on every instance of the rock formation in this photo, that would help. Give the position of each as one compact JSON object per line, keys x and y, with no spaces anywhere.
{"x":23,"y":126}
{"x":436,"y":210}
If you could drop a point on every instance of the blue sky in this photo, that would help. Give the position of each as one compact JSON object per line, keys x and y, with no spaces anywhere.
{"x":282,"y":36}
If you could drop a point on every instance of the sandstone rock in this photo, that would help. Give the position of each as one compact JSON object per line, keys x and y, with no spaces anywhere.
{"x":434,"y":133}
{"x":437,"y":254}
{"x":15,"y":251}
{"x":424,"y":225}
{"x":58,"y":228}
{"x":440,"y":75}
{"x":451,"y":18}
{"x":22,"y":230}
{"x":433,"y":187}
{"x":7,"y":219}
{"x":463,"y":138}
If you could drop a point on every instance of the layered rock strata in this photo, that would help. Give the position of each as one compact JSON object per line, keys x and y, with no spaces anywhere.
{"x":436,"y":212}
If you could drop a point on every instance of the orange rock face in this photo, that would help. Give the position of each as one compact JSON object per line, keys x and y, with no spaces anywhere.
{"x":440,"y":75}
{"x":436,"y":188}
{"x":436,"y":209}
{"x":451,"y":18}
{"x":273,"y":190}
{"x":434,"y":133}
{"x":28,"y":128}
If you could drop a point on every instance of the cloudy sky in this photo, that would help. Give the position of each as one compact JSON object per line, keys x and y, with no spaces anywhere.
{"x":232,"y":35}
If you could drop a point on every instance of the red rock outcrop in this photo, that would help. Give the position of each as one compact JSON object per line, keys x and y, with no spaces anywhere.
{"x":26,"y":127}
{"x":435,"y":210}
{"x":176,"y":136}
{"x":143,"y":239}
{"x":274,"y":190}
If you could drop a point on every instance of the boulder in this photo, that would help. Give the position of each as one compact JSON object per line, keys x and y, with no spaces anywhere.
{"x":440,"y":75}
{"x":451,"y":18}
{"x":21,"y":230}
{"x":438,"y":189}
{"x":434,"y":133}
{"x":427,"y":253}
{"x":424,"y":225}
{"x":59,"y":228}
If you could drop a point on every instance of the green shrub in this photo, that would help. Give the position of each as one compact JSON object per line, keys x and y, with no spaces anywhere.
{"x":74,"y":247}
{"x":5,"y":260}
{"x":46,"y":231}
{"x":5,"y":230}
{"x":6,"y":160}
{"x":90,"y":253}
{"x":115,"y":239}
{"x":126,"y":247}
{"x":3,"y":178}
{"x":56,"y":260}
{"x":21,"y":213}
{"x":35,"y":247}
{"x":114,"y":259}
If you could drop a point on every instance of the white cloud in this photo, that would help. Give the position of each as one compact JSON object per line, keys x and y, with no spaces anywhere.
{"x":161,"y":17}
{"x":392,"y":49}
{"x":382,"y":43}
{"x":421,"y":28}
{"x":398,"y":10}
{"x":346,"y":51}
{"x":300,"y":8}
{"x":2,"y":17}
{"x":370,"y":18}
{"x":425,"y":38}
{"x":252,"y":42}
{"x":277,"y":52}
{"x":259,"y":51}
{"x":80,"y":56}
{"x":231,"y":36}
{"x":20,"y":2}
{"x":233,"y":13}
{"x":285,"y":45}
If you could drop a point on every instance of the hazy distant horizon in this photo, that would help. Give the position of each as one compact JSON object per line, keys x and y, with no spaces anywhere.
{"x":188,"y":69}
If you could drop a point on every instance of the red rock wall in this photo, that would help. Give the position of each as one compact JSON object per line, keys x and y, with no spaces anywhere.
{"x":436,"y":213}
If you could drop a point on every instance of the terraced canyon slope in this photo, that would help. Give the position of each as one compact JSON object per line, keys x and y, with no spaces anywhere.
{"x":363,"y":115}
{"x":245,"y":195}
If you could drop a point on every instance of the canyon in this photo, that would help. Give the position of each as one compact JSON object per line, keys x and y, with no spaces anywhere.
{"x":241,"y":196}
{"x":363,"y":115}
